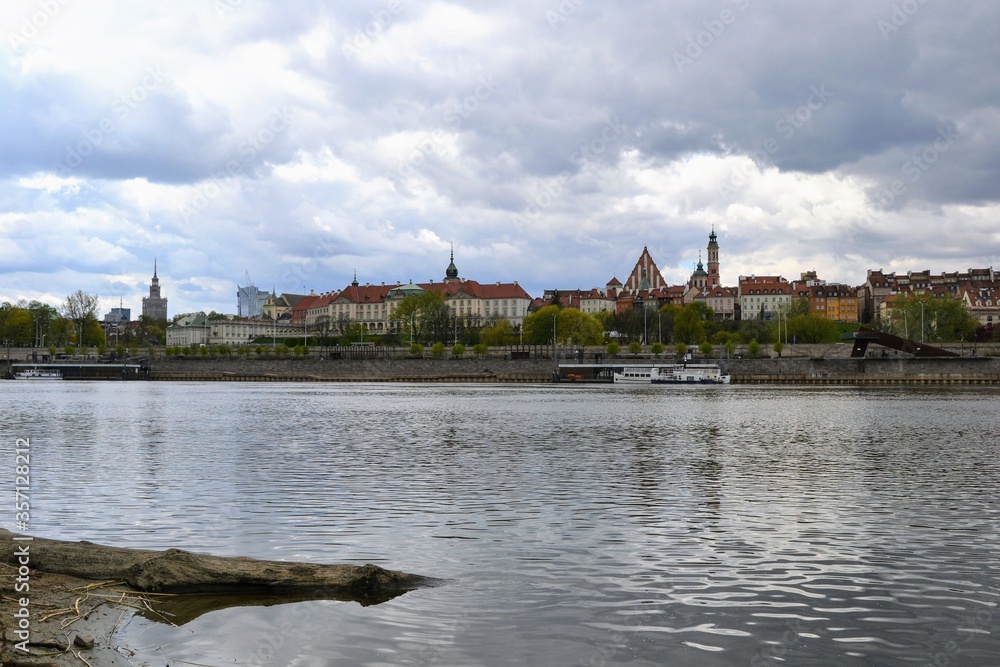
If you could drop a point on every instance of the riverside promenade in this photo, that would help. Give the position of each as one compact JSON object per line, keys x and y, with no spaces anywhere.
{"x":803,"y":364}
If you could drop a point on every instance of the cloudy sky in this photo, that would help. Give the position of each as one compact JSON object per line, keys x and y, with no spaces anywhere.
{"x":550,"y":141}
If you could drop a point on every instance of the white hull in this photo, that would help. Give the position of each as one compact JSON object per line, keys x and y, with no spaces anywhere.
{"x":38,"y":375}
{"x":672,"y":374}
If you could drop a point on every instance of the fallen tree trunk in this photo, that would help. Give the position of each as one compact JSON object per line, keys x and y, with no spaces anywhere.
{"x":177,"y":571}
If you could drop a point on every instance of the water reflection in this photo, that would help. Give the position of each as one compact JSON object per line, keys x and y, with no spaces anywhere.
{"x":575,"y":525}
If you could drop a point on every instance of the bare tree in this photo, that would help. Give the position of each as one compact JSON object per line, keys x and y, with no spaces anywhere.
{"x":79,"y":306}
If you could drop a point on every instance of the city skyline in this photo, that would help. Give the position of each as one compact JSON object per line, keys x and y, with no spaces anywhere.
{"x":549,"y":141}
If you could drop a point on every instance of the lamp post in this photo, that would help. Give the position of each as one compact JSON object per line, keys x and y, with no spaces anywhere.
{"x":921,"y":321}
{"x":412,"y":313}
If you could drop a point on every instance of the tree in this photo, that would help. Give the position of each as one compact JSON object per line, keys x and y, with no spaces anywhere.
{"x":458,"y":350}
{"x":417,"y":350}
{"x":634,"y":348}
{"x":778,"y":347}
{"x":705,"y":348}
{"x":681,"y":348}
{"x":812,"y":329}
{"x":538,"y":325}
{"x":689,"y":325}
{"x":579,"y":327}
{"x":81,"y":309}
{"x":931,"y":319}
{"x":498,"y":334}
{"x":437,"y":349}
{"x":426,"y":316}
{"x":666,"y":317}
{"x":657,"y":348}
{"x":480,"y":350}
{"x":16,"y":325}
{"x":753,"y":348}
{"x":613,"y":349}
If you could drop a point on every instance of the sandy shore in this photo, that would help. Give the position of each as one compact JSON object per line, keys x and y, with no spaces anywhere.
{"x":62,"y":608}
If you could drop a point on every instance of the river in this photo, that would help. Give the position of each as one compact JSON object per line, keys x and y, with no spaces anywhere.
{"x":730,"y":525}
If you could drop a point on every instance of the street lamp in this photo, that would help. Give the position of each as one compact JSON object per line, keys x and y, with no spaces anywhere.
{"x":921,"y":321}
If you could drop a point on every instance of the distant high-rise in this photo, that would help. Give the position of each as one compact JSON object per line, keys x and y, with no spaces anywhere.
{"x":154,"y":305}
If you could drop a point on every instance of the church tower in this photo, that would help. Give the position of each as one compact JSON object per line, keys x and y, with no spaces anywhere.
{"x":713,"y":260}
{"x":154,"y":305}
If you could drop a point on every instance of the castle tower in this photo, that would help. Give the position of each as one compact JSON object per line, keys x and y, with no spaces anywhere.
{"x":154,"y":305}
{"x":713,"y":260}
{"x":451,"y":273}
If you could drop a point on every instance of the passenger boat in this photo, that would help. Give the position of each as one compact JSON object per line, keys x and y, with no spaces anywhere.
{"x":671,"y":374}
{"x":36,"y":374}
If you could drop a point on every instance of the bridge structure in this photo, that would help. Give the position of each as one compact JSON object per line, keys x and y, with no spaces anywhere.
{"x":865,"y":336}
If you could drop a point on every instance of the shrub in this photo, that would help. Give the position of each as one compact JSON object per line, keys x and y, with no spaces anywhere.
{"x":634,"y":348}
{"x":416,"y":350}
{"x":657,"y":348}
{"x":458,"y":350}
{"x":613,"y":349}
{"x":437,"y":349}
{"x":681,"y":349}
{"x":706,"y":348}
{"x":480,"y":350}
{"x":753,"y":348}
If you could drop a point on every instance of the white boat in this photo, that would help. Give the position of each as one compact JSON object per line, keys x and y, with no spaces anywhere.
{"x":671,"y":374}
{"x":692,"y":374}
{"x":36,"y":374}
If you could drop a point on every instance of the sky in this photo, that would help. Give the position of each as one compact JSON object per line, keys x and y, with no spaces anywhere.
{"x":293,"y":143}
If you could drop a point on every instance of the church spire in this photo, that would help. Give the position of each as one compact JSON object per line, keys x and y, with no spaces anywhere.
{"x":451,"y":273}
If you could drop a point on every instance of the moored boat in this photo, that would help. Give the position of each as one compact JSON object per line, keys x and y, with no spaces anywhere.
{"x":36,"y":374}
{"x":671,"y":374}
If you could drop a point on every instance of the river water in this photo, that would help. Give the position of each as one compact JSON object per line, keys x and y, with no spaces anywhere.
{"x":729,"y":525}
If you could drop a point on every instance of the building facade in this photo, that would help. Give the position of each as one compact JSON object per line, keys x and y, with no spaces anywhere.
{"x":154,"y":306}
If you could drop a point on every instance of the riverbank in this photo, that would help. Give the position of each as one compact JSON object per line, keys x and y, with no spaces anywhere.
{"x":66,"y":600}
{"x":794,"y":370}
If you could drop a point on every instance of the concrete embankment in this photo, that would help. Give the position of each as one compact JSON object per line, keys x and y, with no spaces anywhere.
{"x":798,"y":370}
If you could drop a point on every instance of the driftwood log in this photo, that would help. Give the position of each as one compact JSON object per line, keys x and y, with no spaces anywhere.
{"x":177,"y":571}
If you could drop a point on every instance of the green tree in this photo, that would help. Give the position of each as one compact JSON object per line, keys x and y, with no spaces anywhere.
{"x":579,"y":327}
{"x":680,"y":348}
{"x":753,"y":347}
{"x":538,"y":325}
{"x":634,"y":348}
{"x":458,"y":350}
{"x":480,"y":350}
{"x":417,"y":350}
{"x":425,"y":315}
{"x":666,"y":318}
{"x":437,"y":349}
{"x":498,"y":334}
{"x":16,"y":325}
{"x":657,"y":348}
{"x":778,"y":347}
{"x":705,"y":348}
{"x":613,"y":349}
{"x":931,"y":319}
{"x":689,"y":325}
{"x":811,"y":329}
